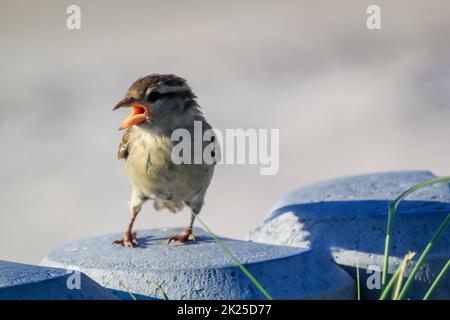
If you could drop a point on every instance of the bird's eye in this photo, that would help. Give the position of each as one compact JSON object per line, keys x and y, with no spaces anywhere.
{"x":153,"y":96}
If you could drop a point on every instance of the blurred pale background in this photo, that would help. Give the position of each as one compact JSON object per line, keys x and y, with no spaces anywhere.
{"x":347,"y":100}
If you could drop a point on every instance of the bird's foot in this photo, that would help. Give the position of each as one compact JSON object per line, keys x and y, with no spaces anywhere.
{"x":129,"y":240}
{"x":186,"y":236}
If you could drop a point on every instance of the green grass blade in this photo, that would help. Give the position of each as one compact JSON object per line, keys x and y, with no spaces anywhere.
{"x":402,"y":269}
{"x":358,"y":283}
{"x":392,"y":209}
{"x":390,"y":285}
{"x":159,"y":287}
{"x":234,"y":258}
{"x":437,"y":280}
{"x":425,"y":252}
{"x":387,"y":246}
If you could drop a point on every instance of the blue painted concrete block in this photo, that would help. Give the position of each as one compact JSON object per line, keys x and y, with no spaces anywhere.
{"x":202,"y":270}
{"x":347,"y":218}
{"x":27,"y":282}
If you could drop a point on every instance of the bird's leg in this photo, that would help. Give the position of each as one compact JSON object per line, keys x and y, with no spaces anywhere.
{"x":129,"y":237}
{"x":186,"y":235}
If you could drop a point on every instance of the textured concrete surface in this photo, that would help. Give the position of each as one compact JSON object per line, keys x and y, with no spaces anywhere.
{"x":202,"y":270}
{"x":27,"y":282}
{"x":348,"y":216}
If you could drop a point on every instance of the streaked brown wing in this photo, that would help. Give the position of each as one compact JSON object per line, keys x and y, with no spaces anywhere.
{"x":122,"y":153}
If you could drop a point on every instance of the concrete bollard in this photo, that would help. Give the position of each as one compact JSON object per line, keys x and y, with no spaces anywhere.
{"x":202,"y":270}
{"x":27,"y":282}
{"x":347,"y":217}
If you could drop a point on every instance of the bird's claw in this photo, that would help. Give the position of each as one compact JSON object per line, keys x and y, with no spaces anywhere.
{"x":129,"y":240}
{"x":183,"y":238}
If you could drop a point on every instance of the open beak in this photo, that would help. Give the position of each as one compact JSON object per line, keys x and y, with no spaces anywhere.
{"x":139,"y":113}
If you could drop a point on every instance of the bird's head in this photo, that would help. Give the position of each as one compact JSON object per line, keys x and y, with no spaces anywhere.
{"x":158,"y":101}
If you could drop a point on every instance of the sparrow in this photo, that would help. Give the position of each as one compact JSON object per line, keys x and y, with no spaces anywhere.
{"x":160,"y":104}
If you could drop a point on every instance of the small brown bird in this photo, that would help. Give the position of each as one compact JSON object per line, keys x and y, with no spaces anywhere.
{"x":159,"y":105}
